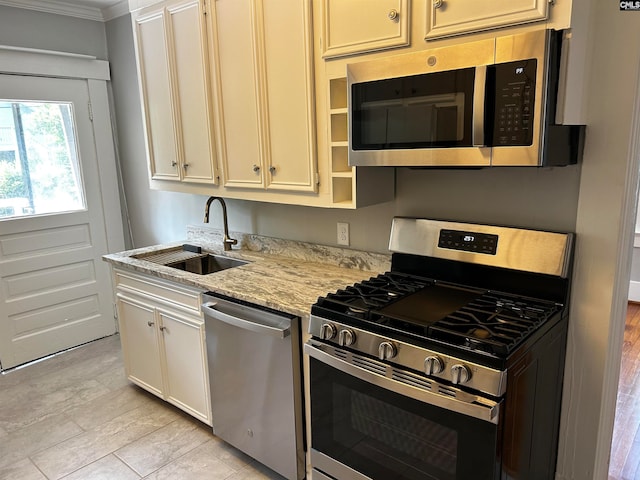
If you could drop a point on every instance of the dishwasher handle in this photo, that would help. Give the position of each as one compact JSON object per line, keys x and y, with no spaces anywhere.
{"x":209,"y":309}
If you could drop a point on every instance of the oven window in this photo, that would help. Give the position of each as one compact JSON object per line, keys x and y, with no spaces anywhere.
{"x":428,"y":110}
{"x":412,"y":436}
{"x":384,"y":435}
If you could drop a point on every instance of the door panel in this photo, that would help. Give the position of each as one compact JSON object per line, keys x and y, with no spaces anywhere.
{"x":55,"y":290}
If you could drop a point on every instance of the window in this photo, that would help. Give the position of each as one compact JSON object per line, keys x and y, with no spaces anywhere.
{"x":39,"y":165}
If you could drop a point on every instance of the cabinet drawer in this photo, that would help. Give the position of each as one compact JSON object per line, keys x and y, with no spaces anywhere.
{"x":165,"y":292}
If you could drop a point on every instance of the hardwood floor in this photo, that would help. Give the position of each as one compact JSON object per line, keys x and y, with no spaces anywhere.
{"x":625,"y":448}
{"x":75,"y":416}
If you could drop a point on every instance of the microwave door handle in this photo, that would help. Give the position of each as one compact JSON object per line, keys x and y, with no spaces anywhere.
{"x":479,"y":99}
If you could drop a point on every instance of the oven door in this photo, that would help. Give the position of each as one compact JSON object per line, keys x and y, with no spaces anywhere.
{"x":370,"y":420}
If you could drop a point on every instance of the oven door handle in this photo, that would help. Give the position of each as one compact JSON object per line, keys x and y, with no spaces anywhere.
{"x":454,"y":399}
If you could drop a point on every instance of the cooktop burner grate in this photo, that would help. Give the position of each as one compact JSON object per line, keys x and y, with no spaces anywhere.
{"x":493,"y":323}
{"x":473,"y":319}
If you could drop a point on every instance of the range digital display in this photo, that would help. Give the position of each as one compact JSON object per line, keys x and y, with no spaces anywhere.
{"x":468,"y":241}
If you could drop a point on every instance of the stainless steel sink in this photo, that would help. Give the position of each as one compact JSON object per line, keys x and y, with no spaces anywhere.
{"x":206,"y":264}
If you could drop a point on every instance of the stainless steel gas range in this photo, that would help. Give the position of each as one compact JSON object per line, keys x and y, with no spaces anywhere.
{"x":447,"y":367}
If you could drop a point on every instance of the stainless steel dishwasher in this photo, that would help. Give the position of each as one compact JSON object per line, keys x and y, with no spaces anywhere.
{"x":255,"y":381}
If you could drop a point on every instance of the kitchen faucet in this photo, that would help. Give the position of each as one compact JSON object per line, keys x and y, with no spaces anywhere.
{"x":227,"y":240}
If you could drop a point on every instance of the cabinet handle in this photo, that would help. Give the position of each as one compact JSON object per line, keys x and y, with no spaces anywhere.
{"x":393,"y":14}
{"x":272,"y":169}
{"x":256,"y":168}
{"x":437,"y":3}
{"x":151,"y":324}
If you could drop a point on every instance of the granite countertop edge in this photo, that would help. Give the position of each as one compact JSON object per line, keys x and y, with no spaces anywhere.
{"x":287,"y":283}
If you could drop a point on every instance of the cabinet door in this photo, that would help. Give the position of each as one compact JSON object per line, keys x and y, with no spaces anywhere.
{"x":236,"y":64}
{"x":289,"y":102}
{"x":265,"y":68}
{"x":153,"y":68}
{"x":358,"y":26}
{"x":187,"y":383}
{"x":138,"y":333}
{"x":453,"y":17}
{"x":194,"y":112}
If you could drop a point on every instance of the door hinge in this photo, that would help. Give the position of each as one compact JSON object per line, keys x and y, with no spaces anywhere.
{"x":204,"y":7}
{"x":316,"y":178}
{"x":90,"y":111}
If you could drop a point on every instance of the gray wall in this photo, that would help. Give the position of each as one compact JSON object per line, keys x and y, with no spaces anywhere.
{"x":538,"y":198}
{"x":30,"y":29}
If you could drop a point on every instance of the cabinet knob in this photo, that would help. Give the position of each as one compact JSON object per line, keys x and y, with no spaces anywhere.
{"x":393,"y":14}
{"x":162,"y":329}
{"x":185,"y":166}
{"x":174,"y":163}
{"x":151,"y":324}
{"x":272,"y":169}
{"x":437,"y":3}
{"x":256,"y":168}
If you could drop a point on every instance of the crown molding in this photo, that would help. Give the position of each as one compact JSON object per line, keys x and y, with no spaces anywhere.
{"x":118,"y":10}
{"x":78,"y":11}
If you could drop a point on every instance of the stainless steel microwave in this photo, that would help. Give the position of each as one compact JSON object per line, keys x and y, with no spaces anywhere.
{"x":485,"y":103}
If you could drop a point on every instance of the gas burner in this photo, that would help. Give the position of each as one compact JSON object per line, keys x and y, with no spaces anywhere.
{"x":356,"y":312}
{"x":395,"y":284}
{"x":493,"y":324}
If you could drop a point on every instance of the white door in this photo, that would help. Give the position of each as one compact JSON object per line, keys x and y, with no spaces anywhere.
{"x":55,"y":291}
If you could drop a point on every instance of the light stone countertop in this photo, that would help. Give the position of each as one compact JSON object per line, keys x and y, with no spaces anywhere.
{"x":284,"y":275}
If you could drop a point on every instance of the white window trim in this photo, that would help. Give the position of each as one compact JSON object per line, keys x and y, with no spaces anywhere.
{"x":49,"y":63}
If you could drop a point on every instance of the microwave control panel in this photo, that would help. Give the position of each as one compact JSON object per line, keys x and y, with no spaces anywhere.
{"x":515,"y":87}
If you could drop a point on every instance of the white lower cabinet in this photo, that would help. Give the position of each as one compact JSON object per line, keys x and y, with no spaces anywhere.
{"x":163,"y":341}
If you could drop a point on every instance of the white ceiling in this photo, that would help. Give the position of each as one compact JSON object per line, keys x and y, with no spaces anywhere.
{"x":100,"y":10}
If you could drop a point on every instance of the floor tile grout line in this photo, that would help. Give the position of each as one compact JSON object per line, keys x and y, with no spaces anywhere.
{"x":233,"y":463}
{"x":97,"y":460}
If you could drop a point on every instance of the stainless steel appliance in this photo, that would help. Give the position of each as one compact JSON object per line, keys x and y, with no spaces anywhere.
{"x":255,"y":381}
{"x":485,"y":103}
{"x":450,"y":365}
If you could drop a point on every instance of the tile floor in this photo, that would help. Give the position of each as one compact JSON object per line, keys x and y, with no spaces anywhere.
{"x":75,"y":416}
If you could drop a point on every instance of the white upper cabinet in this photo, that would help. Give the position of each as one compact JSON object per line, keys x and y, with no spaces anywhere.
{"x":170,"y":40}
{"x":359,"y":26}
{"x":262,"y":61}
{"x":454,"y":17}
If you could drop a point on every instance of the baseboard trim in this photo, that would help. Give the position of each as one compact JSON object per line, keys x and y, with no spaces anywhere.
{"x":634,"y":291}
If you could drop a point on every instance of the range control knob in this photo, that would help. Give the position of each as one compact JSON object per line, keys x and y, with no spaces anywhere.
{"x":433,"y":365}
{"x":327,"y":331}
{"x":346,"y":337}
{"x":387,"y":350}
{"x":460,"y":374}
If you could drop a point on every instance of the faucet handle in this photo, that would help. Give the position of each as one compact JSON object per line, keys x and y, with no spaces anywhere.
{"x":228,"y":242}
